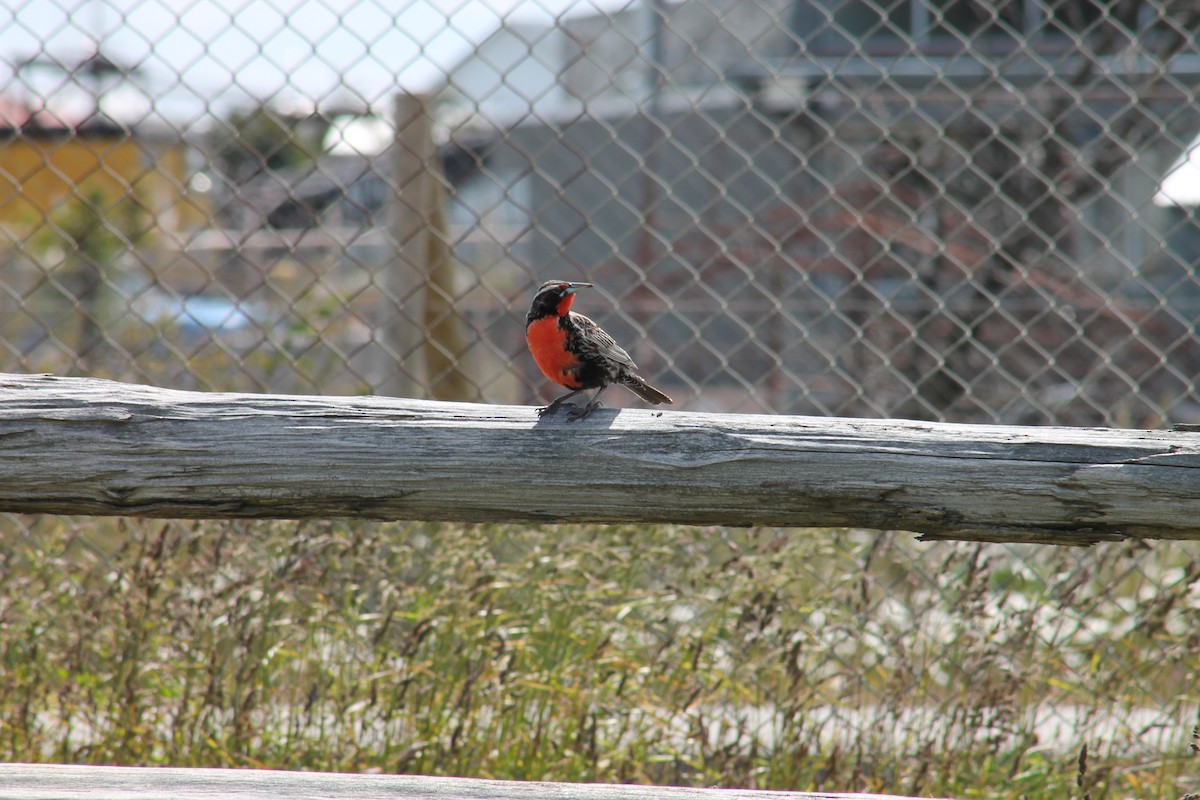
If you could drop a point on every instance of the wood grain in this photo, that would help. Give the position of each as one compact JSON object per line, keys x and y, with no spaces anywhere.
{"x":46,"y":781}
{"x":86,"y":446}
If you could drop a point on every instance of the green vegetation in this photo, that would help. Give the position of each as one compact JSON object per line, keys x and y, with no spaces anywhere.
{"x":823,"y":660}
{"x":64,"y":272}
{"x":254,"y":140}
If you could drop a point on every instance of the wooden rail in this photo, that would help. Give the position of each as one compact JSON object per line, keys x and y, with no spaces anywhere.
{"x":45,"y":781}
{"x":85,"y":446}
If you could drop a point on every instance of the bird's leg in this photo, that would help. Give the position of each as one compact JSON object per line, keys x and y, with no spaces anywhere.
{"x":550,"y":409}
{"x":586,"y":411}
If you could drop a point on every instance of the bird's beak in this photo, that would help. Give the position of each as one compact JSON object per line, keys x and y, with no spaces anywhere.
{"x":575,"y":286}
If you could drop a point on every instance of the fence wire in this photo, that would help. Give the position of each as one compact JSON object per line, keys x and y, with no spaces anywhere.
{"x":934,"y":209}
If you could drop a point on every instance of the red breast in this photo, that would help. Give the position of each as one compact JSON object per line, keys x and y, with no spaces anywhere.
{"x":548,"y":343}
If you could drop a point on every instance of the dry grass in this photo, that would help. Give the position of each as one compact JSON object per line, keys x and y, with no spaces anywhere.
{"x":834,"y":660}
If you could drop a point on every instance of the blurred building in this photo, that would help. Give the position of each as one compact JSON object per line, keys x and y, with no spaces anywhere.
{"x":942,"y":209}
{"x":755,"y":183}
{"x":46,"y":164}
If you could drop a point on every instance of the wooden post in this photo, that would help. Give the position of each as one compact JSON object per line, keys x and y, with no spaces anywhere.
{"x":401,"y":282}
{"x":420,"y":327}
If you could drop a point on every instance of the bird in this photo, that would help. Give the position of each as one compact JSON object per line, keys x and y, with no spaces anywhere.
{"x":575,"y":352}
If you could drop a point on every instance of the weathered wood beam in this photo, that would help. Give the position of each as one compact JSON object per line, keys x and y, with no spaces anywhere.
{"x":85,"y":446}
{"x":45,"y":781}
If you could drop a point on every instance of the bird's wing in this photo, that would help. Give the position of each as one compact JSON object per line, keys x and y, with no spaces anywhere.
{"x":594,"y":338}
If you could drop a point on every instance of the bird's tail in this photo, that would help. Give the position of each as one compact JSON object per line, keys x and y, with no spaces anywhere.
{"x":638,"y":385}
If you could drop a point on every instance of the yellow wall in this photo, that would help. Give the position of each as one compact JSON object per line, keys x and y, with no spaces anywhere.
{"x":42,"y":173}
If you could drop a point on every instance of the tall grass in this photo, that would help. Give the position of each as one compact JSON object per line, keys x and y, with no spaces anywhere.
{"x":820,"y":660}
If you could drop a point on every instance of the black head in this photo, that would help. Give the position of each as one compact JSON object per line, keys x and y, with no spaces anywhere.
{"x":554,"y":298}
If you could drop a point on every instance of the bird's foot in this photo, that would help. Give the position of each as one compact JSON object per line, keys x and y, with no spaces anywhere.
{"x":585,"y":412}
{"x":546,"y":411}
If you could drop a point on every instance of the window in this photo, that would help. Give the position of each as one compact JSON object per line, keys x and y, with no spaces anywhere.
{"x":890,"y":26}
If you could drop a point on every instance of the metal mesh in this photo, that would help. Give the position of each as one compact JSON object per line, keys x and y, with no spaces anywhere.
{"x":937,"y":209}
{"x":942,"y":210}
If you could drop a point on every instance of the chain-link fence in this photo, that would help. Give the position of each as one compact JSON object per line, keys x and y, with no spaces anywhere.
{"x":937,"y":209}
{"x":943,"y":210}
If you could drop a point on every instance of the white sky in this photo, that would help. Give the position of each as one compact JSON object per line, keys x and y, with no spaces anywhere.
{"x":198,"y":54}
{"x":1181,"y":187}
